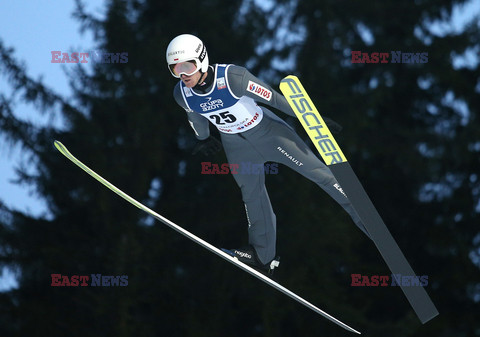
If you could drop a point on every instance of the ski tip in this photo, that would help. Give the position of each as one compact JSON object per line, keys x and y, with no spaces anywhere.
{"x":60,"y":147}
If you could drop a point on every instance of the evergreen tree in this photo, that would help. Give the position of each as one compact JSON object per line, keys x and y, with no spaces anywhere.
{"x":411,"y":134}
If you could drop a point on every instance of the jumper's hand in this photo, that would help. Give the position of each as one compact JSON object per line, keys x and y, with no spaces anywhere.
{"x":208,"y":146}
{"x":333,"y":126}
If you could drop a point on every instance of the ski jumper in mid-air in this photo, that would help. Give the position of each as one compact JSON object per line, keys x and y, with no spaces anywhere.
{"x":227,"y":96}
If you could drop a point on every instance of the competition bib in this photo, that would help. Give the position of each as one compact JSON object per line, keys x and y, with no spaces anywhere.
{"x":229,"y":113}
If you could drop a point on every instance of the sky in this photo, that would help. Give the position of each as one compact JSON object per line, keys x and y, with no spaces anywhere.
{"x":34,"y":29}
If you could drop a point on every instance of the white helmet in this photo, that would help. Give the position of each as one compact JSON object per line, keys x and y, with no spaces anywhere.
{"x":187,"y":47}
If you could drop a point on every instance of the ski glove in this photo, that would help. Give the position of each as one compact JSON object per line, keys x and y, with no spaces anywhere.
{"x":333,"y":126}
{"x":208,"y":146}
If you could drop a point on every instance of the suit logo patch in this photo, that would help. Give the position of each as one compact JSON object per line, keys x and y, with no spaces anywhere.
{"x":221,"y":83}
{"x":259,"y":90}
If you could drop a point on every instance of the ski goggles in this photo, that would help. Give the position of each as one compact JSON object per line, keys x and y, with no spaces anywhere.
{"x":187,"y":68}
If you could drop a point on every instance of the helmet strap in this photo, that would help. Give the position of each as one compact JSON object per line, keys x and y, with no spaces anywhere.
{"x":200,"y":82}
{"x":205,"y":84}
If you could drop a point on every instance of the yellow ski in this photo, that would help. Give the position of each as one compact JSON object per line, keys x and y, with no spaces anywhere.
{"x":333,"y":156}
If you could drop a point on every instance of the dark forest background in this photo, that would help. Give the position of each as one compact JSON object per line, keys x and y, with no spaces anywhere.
{"x":410,"y":131}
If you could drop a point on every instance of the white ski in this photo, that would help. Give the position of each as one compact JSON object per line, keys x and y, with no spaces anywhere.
{"x":200,"y":241}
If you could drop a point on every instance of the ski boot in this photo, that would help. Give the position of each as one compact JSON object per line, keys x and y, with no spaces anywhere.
{"x":248,"y":255}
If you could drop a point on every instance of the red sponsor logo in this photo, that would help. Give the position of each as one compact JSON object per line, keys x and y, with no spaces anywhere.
{"x":250,"y":122}
{"x":259,"y":90}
